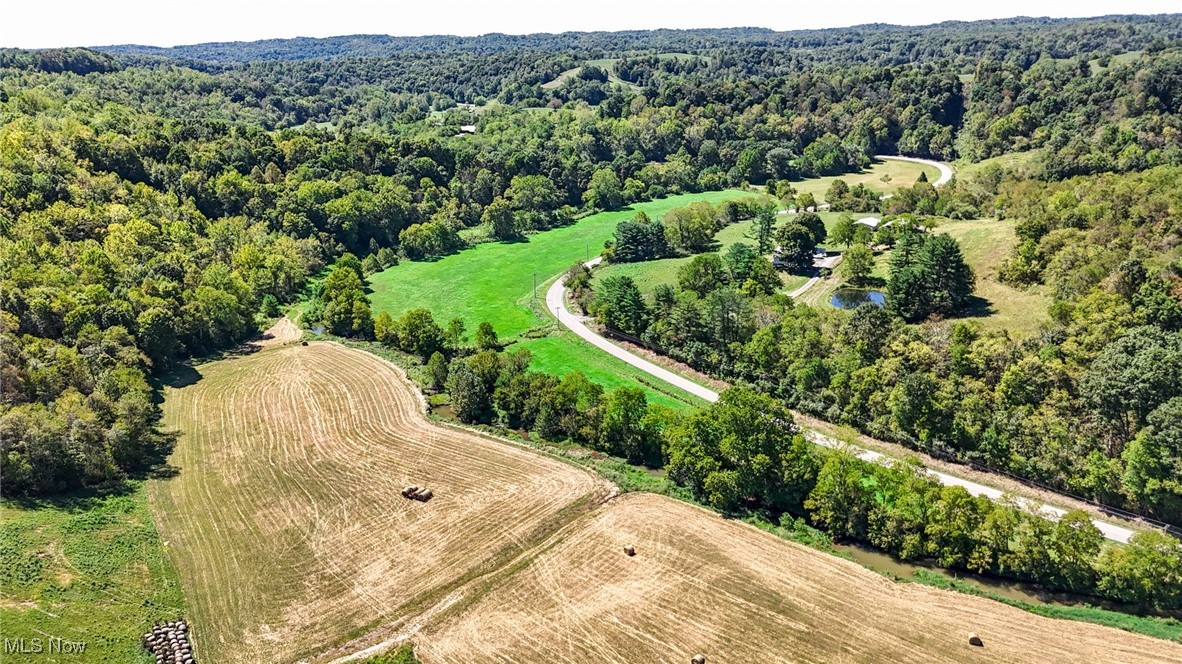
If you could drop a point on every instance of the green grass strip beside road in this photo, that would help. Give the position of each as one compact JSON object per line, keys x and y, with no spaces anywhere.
{"x":494,"y":281}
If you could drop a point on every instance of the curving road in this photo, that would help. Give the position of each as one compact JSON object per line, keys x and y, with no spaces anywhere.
{"x":556,"y":303}
{"x":945,"y":169}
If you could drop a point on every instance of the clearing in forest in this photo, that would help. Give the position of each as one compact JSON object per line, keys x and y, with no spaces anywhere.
{"x":884,"y":176}
{"x":703,"y":584}
{"x":985,"y":243}
{"x":494,"y":282}
{"x":285,"y":519}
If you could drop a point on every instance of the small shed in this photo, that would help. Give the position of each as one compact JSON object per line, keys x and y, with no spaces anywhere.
{"x":869,"y":222}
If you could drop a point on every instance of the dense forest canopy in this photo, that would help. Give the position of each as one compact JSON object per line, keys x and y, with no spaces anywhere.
{"x":158,"y":204}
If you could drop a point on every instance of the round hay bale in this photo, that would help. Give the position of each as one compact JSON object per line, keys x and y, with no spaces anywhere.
{"x":303,"y":343}
{"x":630,"y":550}
{"x":426,"y":495}
{"x":698,"y":659}
{"x":975,"y":640}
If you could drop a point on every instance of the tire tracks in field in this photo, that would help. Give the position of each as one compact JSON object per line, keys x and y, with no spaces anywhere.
{"x":286,"y":519}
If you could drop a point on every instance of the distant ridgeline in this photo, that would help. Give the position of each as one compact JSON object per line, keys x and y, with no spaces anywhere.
{"x":158,"y":204}
{"x":877,"y":44}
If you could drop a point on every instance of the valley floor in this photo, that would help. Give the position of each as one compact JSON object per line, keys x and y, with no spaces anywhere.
{"x":293,"y":543}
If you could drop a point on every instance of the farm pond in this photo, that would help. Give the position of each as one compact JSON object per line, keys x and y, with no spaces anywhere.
{"x":850,"y":298}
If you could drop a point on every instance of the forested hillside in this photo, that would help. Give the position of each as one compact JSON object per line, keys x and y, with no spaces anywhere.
{"x":158,"y":204}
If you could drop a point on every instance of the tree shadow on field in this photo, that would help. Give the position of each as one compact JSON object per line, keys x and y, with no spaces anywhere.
{"x":81,"y":500}
{"x":183,"y":376}
{"x":515,"y":239}
{"x":976,"y":307}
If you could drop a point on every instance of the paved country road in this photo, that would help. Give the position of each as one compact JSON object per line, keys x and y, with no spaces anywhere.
{"x":556,"y":303}
{"x":945,"y":169}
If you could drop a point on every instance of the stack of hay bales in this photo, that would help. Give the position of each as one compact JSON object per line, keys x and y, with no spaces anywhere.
{"x":415,"y":492}
{"x":169,"y":643}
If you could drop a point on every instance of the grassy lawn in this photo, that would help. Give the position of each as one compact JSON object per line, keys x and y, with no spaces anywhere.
{"x":650,"y":274}
{"x":882,"y":176}
{"x":88,"y":569}
{"x":494,"y":282}
{"x":985,"y":243}
{"x":560,"y":354}
{"x":1012,"y":161}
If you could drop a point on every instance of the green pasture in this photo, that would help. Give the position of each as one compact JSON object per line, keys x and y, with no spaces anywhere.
{"x":89,"y":569}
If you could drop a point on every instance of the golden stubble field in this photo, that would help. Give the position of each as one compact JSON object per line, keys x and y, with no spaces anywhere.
{"x":293,"y":543}
{"x":703,"y":584}
{"x":285,"y":519}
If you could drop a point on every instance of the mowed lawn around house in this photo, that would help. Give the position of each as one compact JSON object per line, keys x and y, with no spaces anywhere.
{"x":884,"y":176}
{"x":985,"y":243}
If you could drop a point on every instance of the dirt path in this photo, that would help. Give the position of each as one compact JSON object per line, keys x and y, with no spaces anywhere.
{"x":283,"y":332}
{"x":804,"y":287}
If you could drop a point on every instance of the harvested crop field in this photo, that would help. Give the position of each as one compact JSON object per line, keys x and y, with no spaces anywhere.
{"x":293,"y":542}
{"x":285,"y":519}
{"x":701,"y":584}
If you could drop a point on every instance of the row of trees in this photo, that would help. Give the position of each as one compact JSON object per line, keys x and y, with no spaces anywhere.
{"x":684,"y":230}
{"x":486,"y":386}
{"x":746,"y":452}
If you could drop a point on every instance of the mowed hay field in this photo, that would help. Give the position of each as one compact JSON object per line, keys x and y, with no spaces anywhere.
{"x":285,"y":520}
{"x":702,"y":584}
